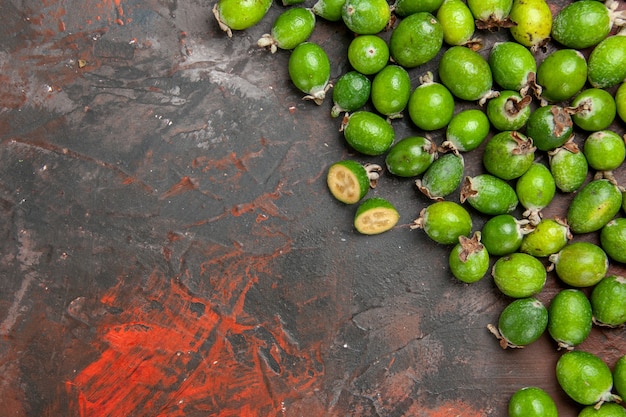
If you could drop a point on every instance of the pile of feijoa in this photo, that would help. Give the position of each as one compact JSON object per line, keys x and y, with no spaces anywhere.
{"x":546,"y":108}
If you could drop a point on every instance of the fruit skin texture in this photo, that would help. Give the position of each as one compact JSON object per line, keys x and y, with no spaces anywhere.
{"x":290,"y":29}
{"x":502,"y":234}
{"x":442,"y":177}
{"x":404,"y":8}
{"x":569,"y":167}
{"x":581,"y":24}
{"x":519,"y":275}
{"x":350,"y":93}
{"x":569,"y":318}
{"x":366,"y":17}
{"x":240,"y":14}
{"x":598,"y":110}
{"x":329,"y":9}
{"x":608,"y":301}
{"x":594,"y":206}
{"x":508,"y":155}
{"x":444,"y":222}
{"x":532,"y":402}
{"x":375,"y":215}
{"x":522,"y":322}
{"x":534,"y":22}
{"x":607,"y":62}
{"x":467,"y":130}
{"x":431,"y":106}
{"x":489,"y":194}
{"x":613,"y":239}
{"x":368,"y":54}
{"x":511,"y":64}
{"x":468,"y":259}
{"x":466,"y":74}
{"x":605,"y":410}
{"x":457,"y":22}
{"x":580,"y":264}
{"x":562,"y":74}
{"x":584,"y":377}
{"x":535,"y":190}
{"x":546,"y":238}
{"x":508,"y":111}
{"x":368,"y":133}
{"x":410,"y":156}
{"x":309,"y":70}
{"x":416,"y":40}
{"x":620,"y":101}
{"x":391,"y":90}
{"x":605,"y":150}
{"x":619,"y":376}
{"x":550,"y":126}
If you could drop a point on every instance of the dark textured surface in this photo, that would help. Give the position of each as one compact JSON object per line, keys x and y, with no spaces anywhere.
{"x":169,"y":246}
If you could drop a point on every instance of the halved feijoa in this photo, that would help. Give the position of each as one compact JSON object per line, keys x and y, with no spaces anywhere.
{"x":349,"y":181}
{"x":375,"y":215}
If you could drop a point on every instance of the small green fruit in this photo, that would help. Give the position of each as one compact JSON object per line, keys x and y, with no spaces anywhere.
{"x":431,"y":105}
{"x":535,"y":190}
{"x":503,"y":234}
{"x":569,"y":167}
{"x":350,"y":93}
{"x":416,"y":40}
{"x":570,"y":318}
{"x":608,"y":301}
{"x":467,"y":130}
{"x":546,"y":238}
{"x":508,"y":155}
{"x":442,"y":177}
{"x":562,"y":74}
{"x":580,"y":264}
{"x":468,"y":259}
{"x":309,"y":70}
{"x":349,"y":181}
{"x":513,"y":65}
{"x":581,"y":24}
{"x":366,"y":17}
{"x":457,"y":22}
{"x":533,"y":22}
{"x":391,"y":90}
{"x":519,"y":275}
{"x":368,"y":133}
{"x":239,"y":14}
{"x":613,"y":239}
{"x":521,"y":323}
{"x":466,"y":74}
{"x":489,"y":194}
{"x":410,"y":156}
{"x":532,"y":402}
{"x":290,"y":29}
{"x":444,"y":222}
{"x":594,"y":206}
{"x":584,"y":377}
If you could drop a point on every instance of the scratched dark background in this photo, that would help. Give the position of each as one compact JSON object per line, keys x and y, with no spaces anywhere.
{"x":169,"y":247}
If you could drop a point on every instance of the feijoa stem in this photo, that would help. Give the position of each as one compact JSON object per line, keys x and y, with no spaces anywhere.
{"x":373,"y":173}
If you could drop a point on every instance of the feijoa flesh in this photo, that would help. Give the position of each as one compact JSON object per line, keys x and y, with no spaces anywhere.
{"x":349,"y":181}
{"x":375,"y":215}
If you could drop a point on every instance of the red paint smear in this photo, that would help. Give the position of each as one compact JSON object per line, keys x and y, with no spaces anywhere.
{"x":455,"y":408}
{"x":185,"y":184}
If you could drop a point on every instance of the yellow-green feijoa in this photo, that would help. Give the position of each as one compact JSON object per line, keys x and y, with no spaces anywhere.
{"x":568,"y":166}
{"x":593,"y":109}
{"x":410,"y":156}
{"x":368,"y":133}
{"x":349,"y":181}
{"x":290,"y":29}
{"x":490,"y":14}
{"x":512,"y":65}
{"x":503,"y":234}
{"x":613,"y":239}
{"x":535,"y":190}
{"x":550,"y":127}
{"x":416,"y":40}
{"x":532,"y":402}
{"x":368,"y":54}
{"x":594,"y":206}
{"x":444,"y":222}
{"x":468,"y":259}
{"x":442,"y":177}
{"x":619,"y":376}
{"x":608,"y":301}
{"x":466,"y":74}
{"x":562,"y":74}
{"x":521,"y":323}
{"x":350,"y":93}
{"x":457,"y":22}
{"x":580,"y":264}
{"x":309,"y":70}
{"x":604,"y":410}
{"x":508,"y":154}
{"x":328,"y":9}
{"x":366,"y":17}
{"x":620,"y":101}
{"x":375,"y":215}
{"x":569,"y":318}
{"x":489,"y":194}
{"x":582,"y":24}
{"x":532,"y":22}
{"x":467,"y":130}
{"x":404,"y":8}
{"x":431,"y":105}
{"x":606,"y":66}
{"x":546,"y":238}
{"x":519,"y":275}
{"x":605,"y":150}
{"x":585,"y":377}
{"x":509,"y":111}
{"x":391,"y":90}
{"x":239,"y":14}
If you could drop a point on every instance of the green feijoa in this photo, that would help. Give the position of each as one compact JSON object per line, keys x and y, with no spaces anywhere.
{"x":466,"y":74}
{"x":368,"y":54}
{"x":467,"y":130}
{"x":309,"y":70}
{"x":509,"y":111}
{"x":607,"y":62}
{"x":491,"y":13}
{"x":368,"y":133}
{"x":444,"y":222}
{"x":568,"y":166}
{"x":410,"y":156}
{"x":580,"y":264}
{"x":239,"y":14}
{"x":549,"y":236}
{"x":521,"y":323}
{"x":535,"y":190}
{"x":431,"y":105}
{"x":604,"y":410}
{"x":503,"y":234}
{"x":550,"y":127}
{"x":374,"y":216}
{"x":366,"y":17}
{"x":593,"y":109}
{"x":532,"y":402}
{"x":594,"y":206}
{"x":513,"y":65}
{"x":608,"y":301}
{"x":391,"y":89}
{"x":605,"y":150}
{"x":584,"y":377}
{"x":508,"y":154}
{"x":562,"y":74}
{"x":489,"y":194}
{"x":519,"y":275}
{"x":328,"y":9}
{"x":532,"y":22}
{"x":619,"y":376}
{"x":457,"y":22}
{"x":350,"y":93}
{"x":442,"y":177}
{"x":349,"y":181}
{"x":569,"y":318}
{"x":290,"y":29}
{"x":581,"y":24}
{"x":468,"y":259}
{"x":416,"y":40}
{"x":620,"y":101}
{"x":404,"y":8}
{"x":613,"y":239}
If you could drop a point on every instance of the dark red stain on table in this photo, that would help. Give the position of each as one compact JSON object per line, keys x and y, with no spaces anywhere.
{"x":170,"y":249}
